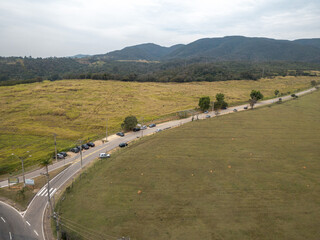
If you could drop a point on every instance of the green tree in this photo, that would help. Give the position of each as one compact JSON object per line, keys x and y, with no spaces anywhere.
{"x":129,"y":123}
{"x":276,"y":92}
{"x":256,"y":94}
{"x":204,"y":103}
{"x":220,"y":97}
{"x":220,"y":103}
{"x":313,"y":83}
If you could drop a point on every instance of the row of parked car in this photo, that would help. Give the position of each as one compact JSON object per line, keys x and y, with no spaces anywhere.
{"x":137,"y":129}
{"x":85,"y":146}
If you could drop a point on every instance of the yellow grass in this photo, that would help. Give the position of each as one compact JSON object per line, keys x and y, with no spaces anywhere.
{"x":78,"y":109}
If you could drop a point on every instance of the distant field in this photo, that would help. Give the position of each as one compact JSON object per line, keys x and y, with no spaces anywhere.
{"x":249,"y":175}
{"x":78,"y":109}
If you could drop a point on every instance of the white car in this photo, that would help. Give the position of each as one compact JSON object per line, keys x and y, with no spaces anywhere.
{"x":104,"y":155}
{"x":158,"y":130}
{"x":143,"y":127}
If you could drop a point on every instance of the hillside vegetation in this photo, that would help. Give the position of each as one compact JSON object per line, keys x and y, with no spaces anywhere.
{"x":248,"y":175}
{"x":207,"y":59}
{"x":78,"y":109}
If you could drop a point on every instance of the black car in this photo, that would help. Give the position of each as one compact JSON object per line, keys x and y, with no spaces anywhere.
{"x":246,"y":107}
{"x":224,"y":108}
{"x":90,"y":144}
{"x":121,"y":134}
{"x":85,"y":146}
{"x":63,"y":154}
{"x":136,"y":129}
{"x":123,"y":145}
{"x":75,"y":150}
{"x":152,"y":125}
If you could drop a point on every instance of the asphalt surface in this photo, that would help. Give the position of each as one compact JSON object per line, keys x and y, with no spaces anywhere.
{"x":30,"y":225}
{"x":13,"y":225}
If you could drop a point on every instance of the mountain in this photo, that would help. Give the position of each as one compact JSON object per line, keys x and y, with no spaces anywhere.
{"x":232,"y":48}
{"x":315,"y":42}
{"x":146,"y":51}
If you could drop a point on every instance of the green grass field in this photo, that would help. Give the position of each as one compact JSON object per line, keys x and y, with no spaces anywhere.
{"x":78,"y":109}
{"x":249,"y":175}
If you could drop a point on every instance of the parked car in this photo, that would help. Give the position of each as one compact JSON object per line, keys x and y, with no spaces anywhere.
{"x":208,"y":116}
{"x":90,"y":144}
{"x":235,"y":110}
{"x":246,"y":107}
{"x":85,"y":146}
{"x":60,"y":156}
{"x":206,"y":112}
{"x":158,"y":130}
{"x":143,"y":127}
{"x":123,"y":145}
{"x":224,"y":108}
{"x":104,"y":155}
{"x":136,"y":129}
{"x":63,"y":153}
{"x":75,"y":150}
{"x":120,"y":134}
{"x":152,"y":125}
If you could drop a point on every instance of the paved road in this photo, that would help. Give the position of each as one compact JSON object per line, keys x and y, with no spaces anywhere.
{"x":13,"y":226}
{"x":35,"y":211}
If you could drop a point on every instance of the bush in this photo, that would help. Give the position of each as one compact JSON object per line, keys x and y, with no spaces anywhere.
{"x":129,"y":123}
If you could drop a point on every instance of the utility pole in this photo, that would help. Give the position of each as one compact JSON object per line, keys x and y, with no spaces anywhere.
{"x":81,"y":154}
{"x":142,"y":121}
{"x":21,"y":159}
{"x":107,"y":130}
{"x":55,"y":146}
{"x":24,"y":180}
{"x":56,"y":217}
{"x":48,"y":189}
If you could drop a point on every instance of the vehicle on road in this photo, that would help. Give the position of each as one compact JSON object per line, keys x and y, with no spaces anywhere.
{"x":208,"y":116}
{"x":90,"y":144}
{"x":60,"y":156}
{"x":235,"y":110}
{"x":85,"y":146}
{"x":123,"y":145}
{"x":120,"y":134}
{"x":136,"y":129}
{"x":152,"y":125}
{"x":143,"y":127}
{"x":63,"y":153}
{"x":75,"y":150}
{"x":224,"y":108}
{"x":104,"y":155}
{"x":206,"y":112}
{"x":158,"y":130}
{"x":246,"y":107}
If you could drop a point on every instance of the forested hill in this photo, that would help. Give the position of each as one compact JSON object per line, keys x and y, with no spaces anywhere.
{"x":208,"y":59}
{"x":234,"y":48}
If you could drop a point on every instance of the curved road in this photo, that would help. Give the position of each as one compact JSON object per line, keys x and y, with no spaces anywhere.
{"x":30,"y":225}
{"x":13,"y":225}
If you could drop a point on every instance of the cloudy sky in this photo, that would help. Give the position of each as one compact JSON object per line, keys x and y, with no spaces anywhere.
{"x":43,"y":28}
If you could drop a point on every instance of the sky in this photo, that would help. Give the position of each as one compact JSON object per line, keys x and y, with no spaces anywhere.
{"x":47,"y":28}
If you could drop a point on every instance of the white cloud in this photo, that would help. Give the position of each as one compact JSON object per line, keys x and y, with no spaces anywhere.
{"x":62,"y":28}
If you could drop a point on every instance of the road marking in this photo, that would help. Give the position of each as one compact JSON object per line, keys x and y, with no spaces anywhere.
{"x":40,"y":191}
{"x":3,"y":219}
{"x":51,"y":194}
{"x":36,"y":232}
{"x":10,"y":236}
{"x":28,"y":223}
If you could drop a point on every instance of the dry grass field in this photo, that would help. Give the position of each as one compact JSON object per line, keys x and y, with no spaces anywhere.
{"x":78,"y":109}
{"x":248,"y":175}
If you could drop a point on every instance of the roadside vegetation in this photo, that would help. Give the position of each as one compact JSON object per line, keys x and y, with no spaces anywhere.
{"x":19,"y":196}
{"x":78,"y":109}
{"x":249,"y":175}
